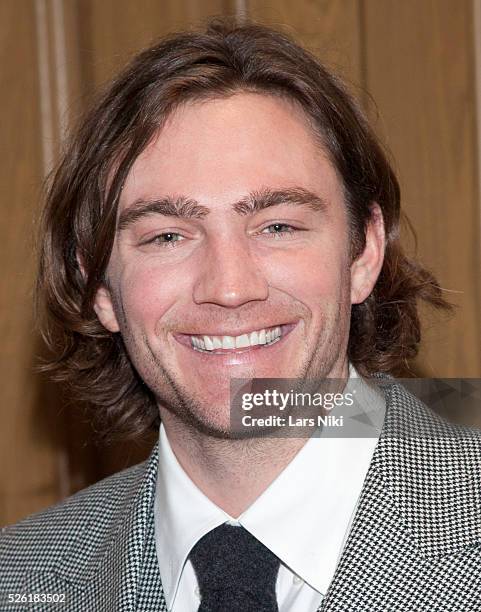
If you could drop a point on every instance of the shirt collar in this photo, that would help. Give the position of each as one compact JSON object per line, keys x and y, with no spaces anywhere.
{"x":302,"y":516}
{"x":182,"y":514}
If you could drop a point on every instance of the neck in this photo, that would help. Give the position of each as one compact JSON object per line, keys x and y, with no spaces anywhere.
{"x":232,"y":473}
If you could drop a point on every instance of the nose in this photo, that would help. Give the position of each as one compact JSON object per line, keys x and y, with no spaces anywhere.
{"x":230,"y":276}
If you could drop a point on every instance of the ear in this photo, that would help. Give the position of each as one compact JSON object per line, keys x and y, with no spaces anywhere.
{"x":104,"y":309}
{"x":366,"y":268}
{"x":103,"y":304}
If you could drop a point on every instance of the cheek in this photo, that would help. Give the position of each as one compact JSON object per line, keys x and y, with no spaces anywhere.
{"x":147,"y":292}
{"x":311,"y":274}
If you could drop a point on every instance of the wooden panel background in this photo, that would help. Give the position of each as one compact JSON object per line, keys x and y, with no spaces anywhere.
{"x":30,"y":451}
{"x":420,"y":71}
{"x":416,"y":58}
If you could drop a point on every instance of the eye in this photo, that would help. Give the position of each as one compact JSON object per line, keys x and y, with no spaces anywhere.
{"x":279,"y":230}
{"x":166,"y":240}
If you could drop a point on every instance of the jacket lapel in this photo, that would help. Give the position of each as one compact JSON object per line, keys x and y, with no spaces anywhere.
{"x":114,"y":571}
{"x":418,"y":522}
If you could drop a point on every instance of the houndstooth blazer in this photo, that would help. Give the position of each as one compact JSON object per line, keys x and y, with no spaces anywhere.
{"x":414,"y":545}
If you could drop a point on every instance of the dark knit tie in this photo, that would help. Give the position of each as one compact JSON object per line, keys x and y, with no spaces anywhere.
{"x":235,"y":572}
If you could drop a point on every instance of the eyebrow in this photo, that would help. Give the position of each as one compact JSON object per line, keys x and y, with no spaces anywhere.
{"x":188,"y":208}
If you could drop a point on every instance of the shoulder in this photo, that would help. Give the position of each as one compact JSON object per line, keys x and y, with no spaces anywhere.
{"x":412,"y":417}
{"x":90,"y":518}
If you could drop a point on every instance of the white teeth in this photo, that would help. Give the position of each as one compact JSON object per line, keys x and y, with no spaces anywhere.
{"x":276,"y":334}
{"x":198,"y":342}
{"x":217,"y":342}
{"x":209,"y":345}
{"x":262,"y":336}
{"x":228,"y":342}
{"x":242,"y":341}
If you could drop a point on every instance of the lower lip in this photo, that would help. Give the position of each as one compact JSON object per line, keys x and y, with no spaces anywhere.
{"x":285,"y":331}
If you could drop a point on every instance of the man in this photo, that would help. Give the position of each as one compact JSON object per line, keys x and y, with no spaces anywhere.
{"x":225,"y":212}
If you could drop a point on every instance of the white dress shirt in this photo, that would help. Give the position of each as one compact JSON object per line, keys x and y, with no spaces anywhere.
{"x":303,"y":517}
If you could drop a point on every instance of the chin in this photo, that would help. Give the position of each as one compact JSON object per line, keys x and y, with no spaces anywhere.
{"x":213,"y":427}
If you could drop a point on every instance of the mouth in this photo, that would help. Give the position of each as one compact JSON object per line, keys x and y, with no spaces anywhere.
{"x":256,"y":339}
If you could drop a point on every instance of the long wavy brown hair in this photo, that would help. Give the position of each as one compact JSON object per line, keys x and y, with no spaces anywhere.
{"x":79,"y":218}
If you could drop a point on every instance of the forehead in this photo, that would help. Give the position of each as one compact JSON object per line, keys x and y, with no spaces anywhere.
{"x":222,"y":148}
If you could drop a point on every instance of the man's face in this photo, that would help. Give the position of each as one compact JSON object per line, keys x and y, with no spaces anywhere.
{"x":232,"y":257}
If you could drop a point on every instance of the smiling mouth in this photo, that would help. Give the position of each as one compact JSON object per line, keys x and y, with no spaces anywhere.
{"x":220,"y":345}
